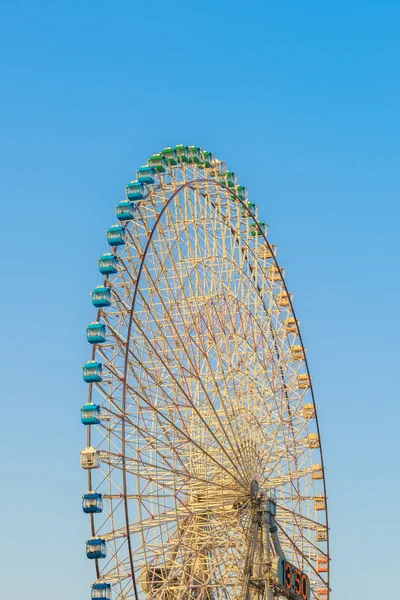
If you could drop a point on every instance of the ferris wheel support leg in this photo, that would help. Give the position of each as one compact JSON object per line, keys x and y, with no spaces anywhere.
{"x":268,"y":509}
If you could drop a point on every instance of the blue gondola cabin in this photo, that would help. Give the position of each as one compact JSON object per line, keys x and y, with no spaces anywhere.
{"x":92,"y":503}
{"x":116,"y":235}
{"x":96,"y":333}
{"x":101,"y":591}
{"x":90,"y":414}
{"x":125,"y":210}
{"x":135,"y":190}
{"x":96,"y":548}
{"x":108,"y":264}
{"x":146,"y":174}
{"x":92,"y":371}
{"x":101,"y":296}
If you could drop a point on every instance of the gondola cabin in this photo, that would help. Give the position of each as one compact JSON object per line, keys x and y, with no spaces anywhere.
{"x":182,"y":153}
{"x":290,"y":325}
{"x":170,"y":156}
{"x":241,"y":192}
{"x":250,"y":206}
{"x":194,"y":155}
{"x":321,"y":534}
{"x":322,"y":564}
{"x":275,"y":274}
{"x":313,"y":440}
{"x":283,"y":300}
{"x":90,"y":458}
{"x":258,"y":228}
{"x":96,"y":548}
{"x":229,"y":179}
{"x":309,"y":411}
{"x":92,"y":371}
{"x":316,"y":472}
{"x":158,"y":162}
{"x":90,"y":414}
{"x":135,"y":190}
{"x":297,"y":353}
{"x":322,"y":594}
{"x":266,"y":251}
{"x":208,"y":158}
{"x":92,"y":503}
{"x":146,"y":174}
{"x":319,"y":503}
{"x":116,"y":235}
{"x":96,"y":333}
{"x":217,"y":167}
{"x":101,"y":591}
{"x":125,"y":210}
{"x":303,"y":381}
{"x":108,"y":264}
{"x":101,"y":296}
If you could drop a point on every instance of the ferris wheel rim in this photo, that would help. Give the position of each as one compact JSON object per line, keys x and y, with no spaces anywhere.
{"x":151,"y":233}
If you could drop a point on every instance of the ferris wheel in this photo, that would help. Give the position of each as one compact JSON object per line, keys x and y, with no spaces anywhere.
{"x":205,"y":477}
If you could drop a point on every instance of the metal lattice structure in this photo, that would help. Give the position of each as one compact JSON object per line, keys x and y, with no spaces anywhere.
{"x":200,"y":407}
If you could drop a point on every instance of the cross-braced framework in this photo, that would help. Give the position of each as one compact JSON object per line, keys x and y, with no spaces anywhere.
{"x":205,"y":397}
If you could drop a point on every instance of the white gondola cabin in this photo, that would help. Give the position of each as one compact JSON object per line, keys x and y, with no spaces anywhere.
{"x":283,"y":299}
{"x":316,"y":472}
{"x":297,"y":352}
{"x":90,"y":458}
{"x":290,"y":325}
{"x":313,"y":440}
{"x":319,"y":503}
{"x":309,"y":411}
{"x":303,"y":381}
{"x":321,"y":534}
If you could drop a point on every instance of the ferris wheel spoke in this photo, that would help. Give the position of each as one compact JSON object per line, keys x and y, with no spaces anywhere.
{"x":178,"y":336}
{"x":164,"y":417}
{"x":181,"y":389}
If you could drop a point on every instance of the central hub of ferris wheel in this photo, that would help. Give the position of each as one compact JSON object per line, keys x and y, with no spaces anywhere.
{"x":198,"y":384}
{"x":254,"y":487}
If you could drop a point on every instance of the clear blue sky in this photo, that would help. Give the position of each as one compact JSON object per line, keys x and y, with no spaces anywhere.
{"x":302,"y":100}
